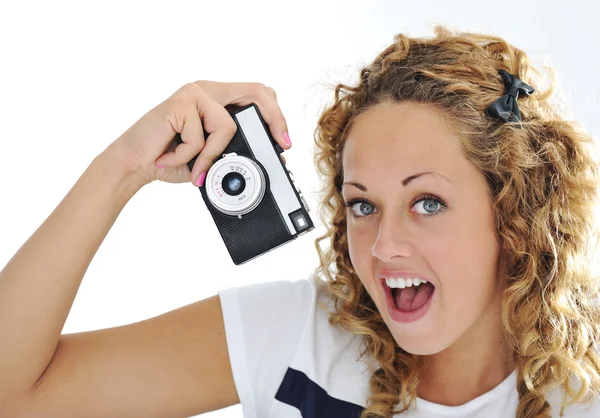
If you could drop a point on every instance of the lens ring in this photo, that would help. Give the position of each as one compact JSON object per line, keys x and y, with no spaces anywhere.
{"x":252,"y":192}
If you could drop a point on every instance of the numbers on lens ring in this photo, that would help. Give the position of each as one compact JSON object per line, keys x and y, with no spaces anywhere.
{"x":238,"y":169}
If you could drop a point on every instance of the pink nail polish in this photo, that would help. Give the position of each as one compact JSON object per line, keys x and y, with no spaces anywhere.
{"x":287,"y":138}
{"x":160,"y":166}
{"x":200,"y":181}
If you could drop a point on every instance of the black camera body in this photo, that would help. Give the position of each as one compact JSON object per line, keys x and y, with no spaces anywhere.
{"x":251,"y":195}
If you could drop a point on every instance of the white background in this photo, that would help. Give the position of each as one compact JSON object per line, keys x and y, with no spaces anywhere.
{"x":75,"y":75}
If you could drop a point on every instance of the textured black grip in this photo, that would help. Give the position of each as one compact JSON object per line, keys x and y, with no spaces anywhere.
{"x":257,"y":231}
{"x":252,"y":235}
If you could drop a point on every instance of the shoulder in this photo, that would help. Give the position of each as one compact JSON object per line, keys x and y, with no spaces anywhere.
{"x":579,"y":410}
{"x":329,"y":357}
{"x":587,"y":409}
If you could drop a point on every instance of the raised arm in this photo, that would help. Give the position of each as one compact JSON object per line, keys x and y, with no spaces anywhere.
{"x":171,"y":365}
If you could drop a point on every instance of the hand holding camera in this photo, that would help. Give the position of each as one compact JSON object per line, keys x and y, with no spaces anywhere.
{"x":195,"y":108}
{"x":231,"y":136}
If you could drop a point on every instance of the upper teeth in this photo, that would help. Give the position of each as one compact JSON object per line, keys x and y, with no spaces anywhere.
{"x":402,"y":283}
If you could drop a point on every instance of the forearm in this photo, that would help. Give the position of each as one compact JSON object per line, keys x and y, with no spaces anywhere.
{"x":39,"y":283}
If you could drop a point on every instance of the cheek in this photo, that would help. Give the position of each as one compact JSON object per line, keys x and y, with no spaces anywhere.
{"x":360,"y":244}
{"x":354,"y":247}
{"x":467,"y":267}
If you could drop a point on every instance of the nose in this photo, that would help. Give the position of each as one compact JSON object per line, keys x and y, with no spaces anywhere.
{"x":394,"y":238}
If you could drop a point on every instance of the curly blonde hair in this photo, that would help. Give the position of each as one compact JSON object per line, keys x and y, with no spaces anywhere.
{"x":543,"y":178}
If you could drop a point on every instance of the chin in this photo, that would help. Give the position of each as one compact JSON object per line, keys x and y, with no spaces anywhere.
{"x":420,"y":349}
{"x":425,"y":344}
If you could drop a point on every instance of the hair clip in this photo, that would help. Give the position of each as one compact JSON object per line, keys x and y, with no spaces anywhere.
{"x":506,"y":107}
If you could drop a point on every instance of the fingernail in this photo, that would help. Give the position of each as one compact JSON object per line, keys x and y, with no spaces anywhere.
{"x":200,"y":181}
{"x":287,"y":139}
{"x":160,"y":166}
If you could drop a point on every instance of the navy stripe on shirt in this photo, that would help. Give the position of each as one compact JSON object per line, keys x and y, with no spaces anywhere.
{"x":312,"y":401}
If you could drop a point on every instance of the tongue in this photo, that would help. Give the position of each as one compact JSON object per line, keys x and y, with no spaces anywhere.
{"x":412,"y":298}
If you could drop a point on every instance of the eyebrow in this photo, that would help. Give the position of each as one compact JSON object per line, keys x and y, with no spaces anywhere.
{"x":405,"y":182}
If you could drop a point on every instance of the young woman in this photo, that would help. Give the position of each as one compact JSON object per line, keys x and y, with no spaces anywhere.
{"x":460,"y":208}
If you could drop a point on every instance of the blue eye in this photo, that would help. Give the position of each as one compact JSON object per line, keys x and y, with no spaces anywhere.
{"x":431,"y":205}
{"x":363,"y":204}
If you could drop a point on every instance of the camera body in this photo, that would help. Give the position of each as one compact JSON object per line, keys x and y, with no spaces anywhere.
{"x":250,"y":194}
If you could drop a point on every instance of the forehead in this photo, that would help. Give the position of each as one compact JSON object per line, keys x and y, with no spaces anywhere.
{"x":397,"y":139}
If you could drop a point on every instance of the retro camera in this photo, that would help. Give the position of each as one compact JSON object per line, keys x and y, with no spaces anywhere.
{"x":251,"y":195}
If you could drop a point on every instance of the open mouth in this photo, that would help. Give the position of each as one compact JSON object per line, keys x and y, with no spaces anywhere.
{"x":409,"y":303}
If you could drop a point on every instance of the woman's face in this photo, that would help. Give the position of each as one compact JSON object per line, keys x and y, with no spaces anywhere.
{"x":438,"y":227}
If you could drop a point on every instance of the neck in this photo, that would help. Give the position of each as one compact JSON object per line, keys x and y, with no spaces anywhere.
{"x":474,"y":365}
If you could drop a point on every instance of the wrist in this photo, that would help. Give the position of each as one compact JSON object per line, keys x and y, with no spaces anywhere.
{"x":114,"y":167}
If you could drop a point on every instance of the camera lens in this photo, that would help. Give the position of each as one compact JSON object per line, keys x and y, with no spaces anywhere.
{"x":233,"y":184}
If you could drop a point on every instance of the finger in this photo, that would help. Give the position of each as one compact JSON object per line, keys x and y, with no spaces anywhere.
{"x":192,"y":135}
{"x":215,"y":143}
{"x":282,"y":158}
{"x":246,"y":93}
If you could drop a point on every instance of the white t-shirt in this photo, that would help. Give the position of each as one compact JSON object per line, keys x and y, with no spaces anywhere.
{"x":288,"y":362}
